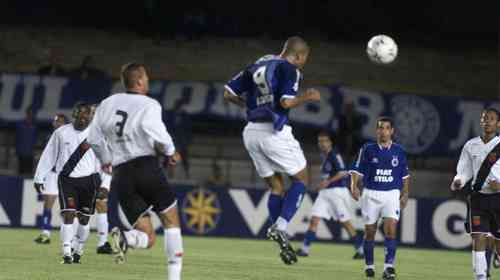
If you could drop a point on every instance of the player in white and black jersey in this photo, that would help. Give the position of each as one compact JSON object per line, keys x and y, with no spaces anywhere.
{"x":49,"y":192}
{"x":128,"y":135}
{"x":479,"y":164}
{"x":80,"y":179}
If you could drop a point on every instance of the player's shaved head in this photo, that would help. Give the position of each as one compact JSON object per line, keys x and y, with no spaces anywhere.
{"x":296,"y":51}
{"x":132,"y":74}
{"x":295,"y":45}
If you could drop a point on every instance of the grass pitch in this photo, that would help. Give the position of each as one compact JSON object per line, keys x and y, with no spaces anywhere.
{"x":217,"y":258}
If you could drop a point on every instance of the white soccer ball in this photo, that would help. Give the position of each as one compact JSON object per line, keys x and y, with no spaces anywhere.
{"x":382,"y":49}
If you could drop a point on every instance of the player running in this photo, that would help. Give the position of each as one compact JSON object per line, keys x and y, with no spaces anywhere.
{"x":80,"y":179}
{"x":384,"y":169}
{"x":479,"y":163}
{"x":128,"y":134}
{"x":268,"y":89}
{"x":49,"y":191}
{"x":334,"y":200}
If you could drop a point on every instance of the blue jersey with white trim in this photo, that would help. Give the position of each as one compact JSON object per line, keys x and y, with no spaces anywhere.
{"x":332,"y":163}
{"x":266,"y":83}
{"x":383,"y":169}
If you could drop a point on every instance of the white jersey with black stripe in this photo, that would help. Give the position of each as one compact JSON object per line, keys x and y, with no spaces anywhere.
{"x":474,"y":152}
{"x":63,"y":142}
{"x":127,"y":126}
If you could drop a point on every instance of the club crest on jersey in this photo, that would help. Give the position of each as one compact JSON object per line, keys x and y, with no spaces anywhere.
{"x":328,"y":166}
{"x":492,"y":158}
{"x":394,"y":161}
{"x":375,"y":160}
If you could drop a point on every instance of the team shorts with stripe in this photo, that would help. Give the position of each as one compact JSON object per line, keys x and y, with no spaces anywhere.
{"x":334,"y":203}
{"x":484,"y":215}
{"x":141,"y":186}
{"x":78,"y":194}
{"x":273,"y":151}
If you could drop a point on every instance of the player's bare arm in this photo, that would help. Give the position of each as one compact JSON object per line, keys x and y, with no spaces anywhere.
{"x":337,"y":177}
{"x":404,"y":192}
{"x":237,"y":100}
{"x":311,"y":95}
{"x":356,"y":193}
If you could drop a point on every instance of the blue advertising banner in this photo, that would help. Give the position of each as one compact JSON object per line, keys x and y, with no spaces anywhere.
{"x":426,"y":125}
{"x":233,"y":212}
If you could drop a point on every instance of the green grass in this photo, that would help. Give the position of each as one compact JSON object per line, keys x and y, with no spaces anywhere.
{"x":216,"y":258}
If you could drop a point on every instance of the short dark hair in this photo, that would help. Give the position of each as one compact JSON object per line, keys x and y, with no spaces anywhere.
{"x":131,"y":73}
{"x":78,"y":107}
{"x":325,"y":133}
{"x":385,"y":119}
{"x":493,"y":110}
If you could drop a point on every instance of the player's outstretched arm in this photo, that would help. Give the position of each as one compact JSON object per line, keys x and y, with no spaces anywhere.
{"x":337,"y":177}
{"x":311,"y":95}
{"x":237,"y":100}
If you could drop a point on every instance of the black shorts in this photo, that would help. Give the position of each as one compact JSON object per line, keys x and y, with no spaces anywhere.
{"x":78,"y":194}
{"x":484,"y":216}
{"x":141,"y":185}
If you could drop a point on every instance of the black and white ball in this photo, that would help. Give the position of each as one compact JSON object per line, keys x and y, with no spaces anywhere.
{"x":382,"y":49}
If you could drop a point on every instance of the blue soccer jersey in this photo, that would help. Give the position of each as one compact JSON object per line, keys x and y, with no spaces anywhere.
{"x":332,"y":163}
{"x":266,"y":83}
{"x":383,"y":169}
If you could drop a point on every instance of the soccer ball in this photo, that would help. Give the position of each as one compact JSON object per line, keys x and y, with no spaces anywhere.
{"x":382,"y":49}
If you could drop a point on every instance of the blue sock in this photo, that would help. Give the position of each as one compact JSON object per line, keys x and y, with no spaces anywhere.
{"x":274,"y":205}
{"x":357,"y":240}
{"x":292,"y":201}
{"x":488,"y":260}
{"x":368,"y":248}
{"x":46,"y":219}
{"x":390,"y":250}
{"x":309,"y":237}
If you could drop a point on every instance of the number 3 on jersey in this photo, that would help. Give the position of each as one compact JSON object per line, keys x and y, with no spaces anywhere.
{"x":121,"y":124}
{"x":259,"y":78}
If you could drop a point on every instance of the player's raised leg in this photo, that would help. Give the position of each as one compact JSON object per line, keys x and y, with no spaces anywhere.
{"x":275,"y":201}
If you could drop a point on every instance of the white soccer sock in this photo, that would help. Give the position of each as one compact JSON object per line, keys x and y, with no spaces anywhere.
{"x":305,"y":248}
{"x":136,"y":239}
{"x":174,"y":252}
{"x":46,"y":232}
{"x":67,"y":234}
{"x":386,"y":265}
{"x":102,"y":228}
{"x":74,"y":240}
{"x":281,"y":224}
{"x":479,"y":264}
{"x":82,"y":234}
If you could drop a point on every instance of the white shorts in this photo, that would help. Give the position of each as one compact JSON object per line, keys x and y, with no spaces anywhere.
{"x":50,"y":186}
{"x":334,"y":203}
{"x":379,"y":204}
{"x":273,"y":151}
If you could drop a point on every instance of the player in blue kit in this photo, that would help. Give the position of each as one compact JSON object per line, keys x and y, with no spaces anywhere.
{"x":268,"y":90}
{"x":334,"y":200}
{"x":384,"y":170}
